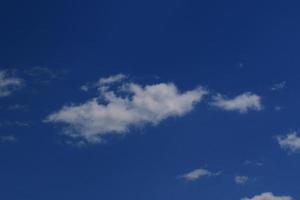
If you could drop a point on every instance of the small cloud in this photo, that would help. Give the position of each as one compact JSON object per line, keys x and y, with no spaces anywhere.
{"x":9,"y":84}
{"x":268,"y":196}
{"x":90,"y":86}
{"x":289,"y":142}
{"x":112,"y":79}
{"x":8,"y":139}
{"x":197,"y":174}
{"x":103,"y":83}
{"x":22,"y":124}
{"x":278,"y":86}
{"x":255,"y":163}
{"x":241,"y":180}
{"x":241,"y":103}
{"x":278,"y":108}
{"x":84,"y":88}
{"x":240,"y":65}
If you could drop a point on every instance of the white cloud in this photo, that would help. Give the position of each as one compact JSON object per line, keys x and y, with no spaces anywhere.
{"x":290,"y":142}
{"x":241,"y":180}
{"x":278,"y":86}
{"x":268,"y":196}
{"x":8,"y":84}
{"x":115,"y":111}
{"x":197,"y":174}
{"x":112,"y":79}
{"x":241,"y":103}
{"x":103,"y":83}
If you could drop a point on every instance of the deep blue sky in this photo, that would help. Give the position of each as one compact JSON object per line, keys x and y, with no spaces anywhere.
{"x":230,"y":47}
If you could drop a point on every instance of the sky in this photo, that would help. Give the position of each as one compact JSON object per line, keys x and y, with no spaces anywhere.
{"x":149,"y":100}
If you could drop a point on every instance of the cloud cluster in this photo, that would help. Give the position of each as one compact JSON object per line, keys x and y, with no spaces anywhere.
{"x":241,"y":103}
{"x":197,"y":174}
{"x":268,"y":196}
{"x":117,"y":109}
{"x":290,"y":142}
{"x":121,"y":105}
{"x":8,"y":84}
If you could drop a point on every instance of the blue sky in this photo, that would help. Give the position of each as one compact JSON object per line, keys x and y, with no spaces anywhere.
{"x":149,"y":100}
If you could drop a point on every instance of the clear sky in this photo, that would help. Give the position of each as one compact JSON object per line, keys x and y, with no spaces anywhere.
{"x":149,"y":100}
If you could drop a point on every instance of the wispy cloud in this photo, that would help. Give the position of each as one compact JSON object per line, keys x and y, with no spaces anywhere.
{"x":268,"y":196}
{"x":241,"y":103}
{"x":112,"y":79}
{"x":17,"y":107}
{"x":255,"y":163}
{"x":241,"y":180}
{"x":115,"y":111}
{"x":8,"y":139}
{"x":102,"y":83}
{"x":278,"y":108}
{"x":77,"y":144}
{"x":197,"y":174}
{"x":8,"y":83}
{"x":84,"y":88}
{"x":289,"y":142}
{"x":278,"y":86}
{"x":15,"y":123}
{"x":43,"y":75}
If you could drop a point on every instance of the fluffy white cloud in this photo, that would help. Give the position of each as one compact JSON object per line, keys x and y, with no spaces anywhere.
{"x":116,"y":110}
{"x":268,"y":196}
{"x":8,"y":84}
{"x":241,"y":103}
{"x":197,"y":174}
{"x":240,"y":180}
{"x":290,"y":142}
